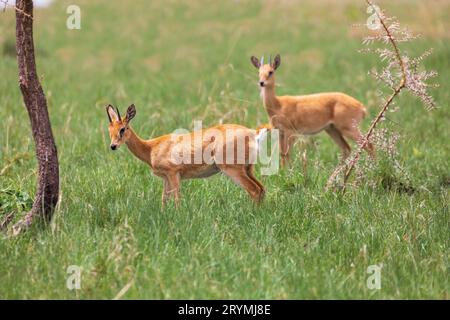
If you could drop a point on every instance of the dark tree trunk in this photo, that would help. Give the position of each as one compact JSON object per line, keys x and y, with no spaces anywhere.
{"x":36,"y":104}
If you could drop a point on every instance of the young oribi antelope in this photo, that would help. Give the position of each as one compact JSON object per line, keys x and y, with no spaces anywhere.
{"x":198,"y":154}
{"x":336,"y":113}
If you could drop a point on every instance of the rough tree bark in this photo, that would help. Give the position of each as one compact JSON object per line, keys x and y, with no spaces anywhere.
{"x":34,"y":98}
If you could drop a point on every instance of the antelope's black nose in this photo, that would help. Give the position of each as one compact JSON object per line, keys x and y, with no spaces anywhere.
{"x":261,"y":83}
{"x":113,"y":147}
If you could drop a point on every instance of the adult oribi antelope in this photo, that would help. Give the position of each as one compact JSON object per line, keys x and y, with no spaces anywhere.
{"x":165,"y":154}
{"x":336,"y":113}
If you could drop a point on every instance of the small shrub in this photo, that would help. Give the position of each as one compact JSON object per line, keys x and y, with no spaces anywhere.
{"x":12,"y":200}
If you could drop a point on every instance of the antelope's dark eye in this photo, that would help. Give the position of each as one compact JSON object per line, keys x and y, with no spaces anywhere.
{"x":122,"y":131}
{"x":270,"y":73}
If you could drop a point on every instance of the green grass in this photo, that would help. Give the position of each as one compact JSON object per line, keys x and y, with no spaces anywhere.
{"x":180,"y":62}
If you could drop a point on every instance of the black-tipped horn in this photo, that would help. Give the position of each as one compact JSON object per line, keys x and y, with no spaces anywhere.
{"x":118,"y":114}
{"x":107,"y":112}
{"x":262,"y":60}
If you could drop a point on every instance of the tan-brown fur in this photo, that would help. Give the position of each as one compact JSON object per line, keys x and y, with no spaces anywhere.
{"x":157,"y":154}
{"x":335,"y":112}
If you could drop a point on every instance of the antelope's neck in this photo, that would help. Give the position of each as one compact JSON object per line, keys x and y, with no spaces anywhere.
{"x":139,"y":147}
{"x":270,"y":101}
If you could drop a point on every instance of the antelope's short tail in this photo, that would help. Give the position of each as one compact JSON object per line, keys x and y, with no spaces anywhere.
{"x":262,"y":130}
{"x":364,"y":109}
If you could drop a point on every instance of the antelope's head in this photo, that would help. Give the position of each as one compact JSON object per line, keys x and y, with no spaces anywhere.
{"x":266,"y":71}
{"x":118,"y":127}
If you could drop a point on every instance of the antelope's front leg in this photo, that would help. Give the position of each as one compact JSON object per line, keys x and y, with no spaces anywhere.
{"x":165,"y":193}
{"x":284,"y":147}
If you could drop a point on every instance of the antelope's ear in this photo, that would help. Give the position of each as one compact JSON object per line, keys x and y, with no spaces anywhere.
{"x":112,"y":114}
{"x":131,"y":112}
{"x":276,"y":62}
{"x":255,"y":62}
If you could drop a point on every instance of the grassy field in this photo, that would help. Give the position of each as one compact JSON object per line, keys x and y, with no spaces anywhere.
{"x":185,"y":61}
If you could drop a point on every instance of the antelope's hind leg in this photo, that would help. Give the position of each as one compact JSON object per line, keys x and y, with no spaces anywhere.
{"x":339,"y":139}
{"x":286,"y":141}
{"x":238,"y":173}
{"x":250,"y":168}
{"x":354,"y":134}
